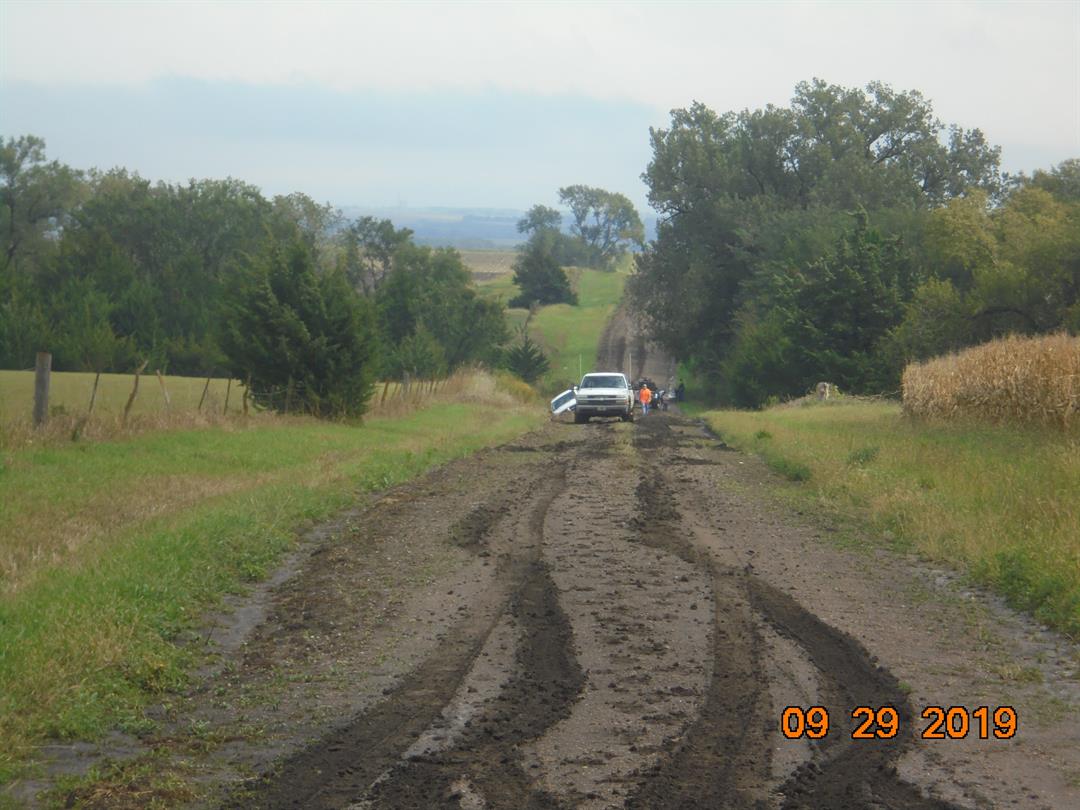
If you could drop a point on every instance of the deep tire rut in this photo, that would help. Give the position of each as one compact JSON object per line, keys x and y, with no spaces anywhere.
{"x":364,"y":764}
{"x":722,"y":762}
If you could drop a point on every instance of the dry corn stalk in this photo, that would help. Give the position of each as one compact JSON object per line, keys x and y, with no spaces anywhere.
{"x":1011,"y":380}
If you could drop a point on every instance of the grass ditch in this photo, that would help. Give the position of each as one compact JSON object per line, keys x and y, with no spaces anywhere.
{"x":110,"y":551}
{"x":1000,"y":503}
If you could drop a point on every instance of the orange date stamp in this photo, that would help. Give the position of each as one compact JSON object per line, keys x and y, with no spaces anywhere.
{"x":883,"y":723}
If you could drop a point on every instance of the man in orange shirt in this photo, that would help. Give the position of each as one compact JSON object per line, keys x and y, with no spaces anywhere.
{"x":646,"y":398}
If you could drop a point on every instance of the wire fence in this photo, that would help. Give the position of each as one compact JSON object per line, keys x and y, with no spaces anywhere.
{"x":86,"y":405}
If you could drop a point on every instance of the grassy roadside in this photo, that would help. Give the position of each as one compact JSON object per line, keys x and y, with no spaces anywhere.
{"x":110,"y":550}
{"x":1002,"y":504}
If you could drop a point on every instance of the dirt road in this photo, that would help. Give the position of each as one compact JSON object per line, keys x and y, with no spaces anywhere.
{"x":611,"y":616}
{"x":624,"y":346}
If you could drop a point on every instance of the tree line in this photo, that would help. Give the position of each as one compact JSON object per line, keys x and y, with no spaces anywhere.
{"x":843,"y":236}
{"x":107,"y":271}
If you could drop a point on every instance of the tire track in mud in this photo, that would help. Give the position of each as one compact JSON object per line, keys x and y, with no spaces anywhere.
{"x":361,"y":764}
{"x":545,"y":683}
{"x":723,"y":759}
{"x":858,"y":774}
{"x":641,"y":621}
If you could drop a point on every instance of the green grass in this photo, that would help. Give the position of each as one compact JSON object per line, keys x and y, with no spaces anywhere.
{"x":112,"y":549}
{"x":1002,"y":504}
{"x":69,"y":392}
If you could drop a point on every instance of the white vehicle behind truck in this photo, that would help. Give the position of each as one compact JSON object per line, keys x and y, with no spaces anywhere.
{"x":604,"y":393}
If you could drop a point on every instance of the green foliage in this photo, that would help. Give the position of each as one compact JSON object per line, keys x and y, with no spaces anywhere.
{"x":935,"y":322}
{"x":87,"y":342}
{"x":1062,"y":181}
{"x":791,"y":470}
{"x":36,"y":198}
{"x":430,"y":316}
{"x":862,"y":456}
{"x":418,"y":355}
{"x":1010,"y":269}
{"x":367,"y":251}
{"x":305,"y":341}
{"x":569,"y":334}
{"x":605,"y":222}
{"x":824,"y":323}
{"x":539,"y":274}
{"x":758,"y":362}
{"x":107,"y":270}
{"x":526,"y":359}
{"x":539,"y":218}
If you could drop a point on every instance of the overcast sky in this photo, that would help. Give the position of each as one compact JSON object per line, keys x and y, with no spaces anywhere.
{"x":496,"y":105}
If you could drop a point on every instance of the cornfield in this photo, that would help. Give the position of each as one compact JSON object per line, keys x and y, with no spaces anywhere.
{"x":1011,"y":380}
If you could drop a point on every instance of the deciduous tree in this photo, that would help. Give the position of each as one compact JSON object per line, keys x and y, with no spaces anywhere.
{"x":606,"y":222}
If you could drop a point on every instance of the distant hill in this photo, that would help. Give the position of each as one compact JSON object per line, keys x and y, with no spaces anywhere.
{"x":463,"y":228}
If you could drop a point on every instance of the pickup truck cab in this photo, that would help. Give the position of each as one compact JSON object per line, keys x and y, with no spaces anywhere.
{"x":604,"y":393}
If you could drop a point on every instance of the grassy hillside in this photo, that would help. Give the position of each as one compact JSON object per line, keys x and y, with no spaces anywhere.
{"x":1000,"y":503}
{"x":569,"y":334}
{"x":109,"y":550}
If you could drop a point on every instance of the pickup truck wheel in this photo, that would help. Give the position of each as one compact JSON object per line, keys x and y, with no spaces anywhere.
{"x":628,"y":417}
{"x":580,"y":419}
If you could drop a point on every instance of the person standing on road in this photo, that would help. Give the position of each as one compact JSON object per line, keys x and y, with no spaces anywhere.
{"x":646,"y":398}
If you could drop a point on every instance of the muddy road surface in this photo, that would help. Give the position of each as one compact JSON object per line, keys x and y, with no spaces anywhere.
{"x":615,"y":615}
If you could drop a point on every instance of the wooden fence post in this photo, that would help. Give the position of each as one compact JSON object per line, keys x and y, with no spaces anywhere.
{"x":89,"y":410}
{"x":206,"y":388}
{"x":134,"y":392}
{"x":228,"y":389}
{"x":42,"y":372}
{"x":247,"y":393}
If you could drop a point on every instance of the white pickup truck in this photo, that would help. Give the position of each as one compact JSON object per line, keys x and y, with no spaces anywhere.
{"x":604,"y":393}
